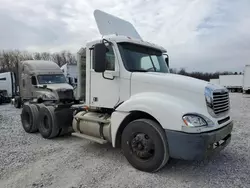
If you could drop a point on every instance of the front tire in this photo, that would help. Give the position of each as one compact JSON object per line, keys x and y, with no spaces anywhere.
{"x":145,"y":145}
{"x":47,"y":126}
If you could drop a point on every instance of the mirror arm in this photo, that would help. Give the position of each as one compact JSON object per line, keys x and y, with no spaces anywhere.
{"x":105,"y":40}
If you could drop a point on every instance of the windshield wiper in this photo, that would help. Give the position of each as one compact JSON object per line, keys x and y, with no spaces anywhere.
{"x":152,"y":63}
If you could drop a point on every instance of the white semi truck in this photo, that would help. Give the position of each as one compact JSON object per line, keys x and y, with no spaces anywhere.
{"x":133,"y":102}
{"x":233,"y":83}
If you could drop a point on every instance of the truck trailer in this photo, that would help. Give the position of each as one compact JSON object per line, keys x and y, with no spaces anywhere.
{"x":215,"y":81}
{"x":233,"y":83}
{"x":132,"y":101}
{"x":7,"y":87}
{"x":70,"y":72}
{"x":246,"y":79}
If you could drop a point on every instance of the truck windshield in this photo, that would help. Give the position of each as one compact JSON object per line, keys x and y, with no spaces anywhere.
{"x":51,"y":79}
{"x":138,"y":58}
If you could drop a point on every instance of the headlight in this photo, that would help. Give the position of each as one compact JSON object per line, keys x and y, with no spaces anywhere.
{"x":48,"y":96}
{"x":208,"y":97}
{"x":194,"y":121}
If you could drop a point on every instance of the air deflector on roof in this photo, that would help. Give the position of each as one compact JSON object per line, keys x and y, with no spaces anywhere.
{"x":109,"y":24}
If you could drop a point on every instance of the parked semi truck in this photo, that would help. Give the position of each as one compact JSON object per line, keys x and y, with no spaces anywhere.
{"x":233,"y":83}
{"x":133,"y":102}
{"x":246,"y":79}
{"x":42,"y":82}
{"x":7,"y":87}
{"x":215,"y":81}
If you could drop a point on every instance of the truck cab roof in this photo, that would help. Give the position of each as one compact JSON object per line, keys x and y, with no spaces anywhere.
{"x":120,"y":38}
{"x":41,"y":67}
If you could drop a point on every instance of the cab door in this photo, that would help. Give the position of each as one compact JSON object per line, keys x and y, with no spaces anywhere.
{"x":104,"y":87}
{"x":26,"y":83}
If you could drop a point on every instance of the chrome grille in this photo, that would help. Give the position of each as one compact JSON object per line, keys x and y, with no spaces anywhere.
{"x":221,"y":102}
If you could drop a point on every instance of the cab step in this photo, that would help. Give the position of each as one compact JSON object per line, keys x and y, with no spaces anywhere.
{"x":91,"y":138}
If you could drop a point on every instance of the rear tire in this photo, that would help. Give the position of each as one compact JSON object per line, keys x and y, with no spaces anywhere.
{"x":39,"y":106}
{"x":47,"y":122}
{"x":145,"y":145}
{"x":29,"y":117}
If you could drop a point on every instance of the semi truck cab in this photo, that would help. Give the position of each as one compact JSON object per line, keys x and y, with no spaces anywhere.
{"x":42,"y":81}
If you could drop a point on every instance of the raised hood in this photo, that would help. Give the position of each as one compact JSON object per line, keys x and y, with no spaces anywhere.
{"x":169,"y":82}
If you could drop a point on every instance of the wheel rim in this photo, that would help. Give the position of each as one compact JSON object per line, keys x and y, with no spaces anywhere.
{"x":46,"y":122}
{"x":142,"y":146}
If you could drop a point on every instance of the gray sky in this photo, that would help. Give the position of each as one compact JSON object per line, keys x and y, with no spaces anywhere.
{"x":206,"y":35}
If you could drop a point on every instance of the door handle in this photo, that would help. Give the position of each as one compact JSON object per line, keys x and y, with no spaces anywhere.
{"x":112,"y":73}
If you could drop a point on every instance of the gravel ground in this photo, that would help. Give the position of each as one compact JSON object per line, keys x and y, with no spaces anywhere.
{"x":28,"y":160}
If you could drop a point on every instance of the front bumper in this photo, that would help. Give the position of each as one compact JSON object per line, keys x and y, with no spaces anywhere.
{"x":198,"y":146}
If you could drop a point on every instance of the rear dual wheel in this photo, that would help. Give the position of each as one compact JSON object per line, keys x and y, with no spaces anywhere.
{"x":144,"y":145}
{"x":48,"y":127}
{"x":29,"y":118}
{"x":40,"y":117}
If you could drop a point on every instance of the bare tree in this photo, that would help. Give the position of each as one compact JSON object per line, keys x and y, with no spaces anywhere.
{"x":46,"y":56}
{"x":10,"y":59}
{"x":71,"y":59}
{"x":37,"y":56}
{"x":57,"y":58}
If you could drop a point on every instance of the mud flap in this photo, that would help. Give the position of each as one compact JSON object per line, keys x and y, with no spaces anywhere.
{"x":64,"y":119}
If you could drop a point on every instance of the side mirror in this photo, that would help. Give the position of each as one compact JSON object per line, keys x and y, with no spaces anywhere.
{"x":99,"y":57}
{"x":167,"y":61}
{"x":44,"y":86}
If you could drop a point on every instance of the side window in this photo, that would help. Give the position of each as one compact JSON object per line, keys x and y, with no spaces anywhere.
{"x":33,"y":81}
{"x":110,"y":59}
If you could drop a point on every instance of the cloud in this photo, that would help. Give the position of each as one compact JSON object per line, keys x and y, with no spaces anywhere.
{"x":198,"y":34}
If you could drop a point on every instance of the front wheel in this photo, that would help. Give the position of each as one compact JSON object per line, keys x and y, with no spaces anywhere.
{"x":145,"y":145}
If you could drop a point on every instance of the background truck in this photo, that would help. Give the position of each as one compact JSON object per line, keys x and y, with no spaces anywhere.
{"x":133,"y":102}
{"x":215,"y":81}
{"x":42,"y":82}
{"x":7,"y":87}
{"x":233,"y":83}
{"x":70,"y":72}
{"x":246,"y":79}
